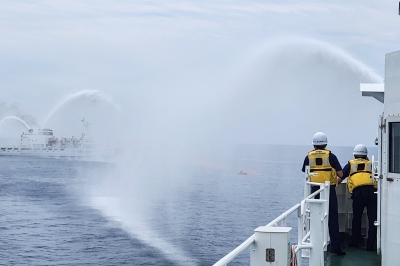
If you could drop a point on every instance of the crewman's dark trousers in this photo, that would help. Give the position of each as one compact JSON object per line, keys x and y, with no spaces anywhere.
{"x":364,"y":197}
{"x":333,"y":222}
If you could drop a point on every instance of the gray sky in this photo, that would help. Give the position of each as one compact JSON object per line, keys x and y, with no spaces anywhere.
{"x":234,"y":71}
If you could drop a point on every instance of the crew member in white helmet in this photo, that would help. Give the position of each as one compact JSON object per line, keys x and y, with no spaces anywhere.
{"x":362,"y":187}
{"x":326,"y":166}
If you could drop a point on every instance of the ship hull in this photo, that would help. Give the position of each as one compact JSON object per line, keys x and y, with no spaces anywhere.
{"x":45,"y":152}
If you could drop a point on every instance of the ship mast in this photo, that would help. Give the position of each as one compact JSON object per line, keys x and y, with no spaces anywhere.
{"x":86,"y":125}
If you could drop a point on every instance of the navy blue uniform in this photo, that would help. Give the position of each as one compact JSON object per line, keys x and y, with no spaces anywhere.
{"x":363,"y":197}
{"x":333,"y":223}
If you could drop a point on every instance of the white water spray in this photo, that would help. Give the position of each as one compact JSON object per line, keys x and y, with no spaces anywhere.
{"x":129,"y":194}
{"x":11,"y":117}
{"x":92,"y":95}
{"x":271,"y":48}
{"x":336,"y":54}
{"x":139,"y":184}
{"x":283,"y":81}
{"x":115,"y":208}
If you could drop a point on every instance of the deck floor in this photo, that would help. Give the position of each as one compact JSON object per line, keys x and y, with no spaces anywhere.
{"x":354,"y":256}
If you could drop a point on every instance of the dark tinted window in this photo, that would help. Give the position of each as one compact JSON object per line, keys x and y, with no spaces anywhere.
{"x":394,"y":147}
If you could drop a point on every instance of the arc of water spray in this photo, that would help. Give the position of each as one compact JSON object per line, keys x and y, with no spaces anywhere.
{"x":327,"y":50}
{"x":11,"y":117}
{"x":337,"y":54}
{"x":91,"y":94}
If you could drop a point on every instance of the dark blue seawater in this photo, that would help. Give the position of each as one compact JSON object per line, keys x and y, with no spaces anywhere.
{"x":47,"y":216}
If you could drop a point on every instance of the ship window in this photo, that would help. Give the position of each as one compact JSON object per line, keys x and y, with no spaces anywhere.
{"x":394,"y":147}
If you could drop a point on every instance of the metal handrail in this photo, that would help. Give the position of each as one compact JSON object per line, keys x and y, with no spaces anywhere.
{"x":284,"y":215}
{"x":234,"y":253}
{"x":302,"y":244}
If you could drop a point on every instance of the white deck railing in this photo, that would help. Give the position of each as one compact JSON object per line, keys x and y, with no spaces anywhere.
{"x":312,"y":223}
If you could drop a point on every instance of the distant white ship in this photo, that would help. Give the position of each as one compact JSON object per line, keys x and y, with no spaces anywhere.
{"x":44,"y":143}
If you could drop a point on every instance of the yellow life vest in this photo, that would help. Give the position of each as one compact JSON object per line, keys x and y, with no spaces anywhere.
{"x":318,"y":160}
{"x":360,"y":174}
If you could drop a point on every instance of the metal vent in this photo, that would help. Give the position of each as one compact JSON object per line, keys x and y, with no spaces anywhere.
{"x":270,"y":255}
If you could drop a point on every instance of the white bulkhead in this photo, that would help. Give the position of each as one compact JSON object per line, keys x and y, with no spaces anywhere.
{"x":389,"y":128}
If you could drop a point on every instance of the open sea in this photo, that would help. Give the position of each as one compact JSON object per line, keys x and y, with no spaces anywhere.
{"x":68,"y":212}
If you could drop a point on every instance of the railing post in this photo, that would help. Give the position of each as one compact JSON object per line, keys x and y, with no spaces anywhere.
{"x":305,"y":253}
{"x":325,"y":216}
{"x":272,"y":245}
{"x":253,"y":254}
{"x":300,"y":230}
{"x":376,"y":177}
{"x":316,"y":231}
{"x":307,"y":178}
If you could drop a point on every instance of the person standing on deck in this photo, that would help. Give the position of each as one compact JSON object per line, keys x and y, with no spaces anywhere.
{"x":362,"y":188}
{"x":326,"y":166}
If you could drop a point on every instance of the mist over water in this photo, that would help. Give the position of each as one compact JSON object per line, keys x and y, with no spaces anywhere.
{"x":290,"y":91}
{"x":97,"y":108}
{"x":10,"y":128}
{"x":297,"y":84}
{"x":282,"y":94}
{"x":136,"y":223}
{"x":92,"y":97}
{"x":10,"y":113}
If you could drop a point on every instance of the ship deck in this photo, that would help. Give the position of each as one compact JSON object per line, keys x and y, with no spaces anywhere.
{"x":354,"y":256}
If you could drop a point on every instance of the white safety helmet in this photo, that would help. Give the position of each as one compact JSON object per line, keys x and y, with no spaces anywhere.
{"x":360,"y":149}
{"x":319,"y":139}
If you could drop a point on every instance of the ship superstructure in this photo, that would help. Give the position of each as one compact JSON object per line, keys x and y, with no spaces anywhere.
{"x":45,"y":143}
{"x":389,"y":164}
{"x":270,"y":245}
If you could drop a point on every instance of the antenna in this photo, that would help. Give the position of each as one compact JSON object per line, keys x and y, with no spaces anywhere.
{"x":86,"y":124}
{"x":399,"y":8}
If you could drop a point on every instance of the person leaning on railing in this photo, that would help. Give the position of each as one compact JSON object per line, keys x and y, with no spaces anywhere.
{"x":362,"y":188}
{"x":326,"y":167}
